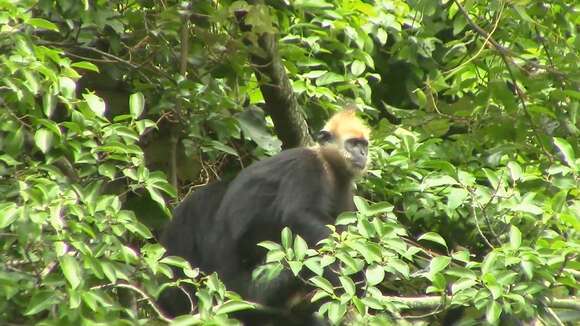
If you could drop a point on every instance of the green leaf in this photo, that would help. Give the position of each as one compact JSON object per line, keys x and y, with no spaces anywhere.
{"x":456,"y":197}
{"x":528,"y":208}
{"x":434,"y":237}
{"x":515,"y":171}
{"x":361,"y":205}
{"x":136,"y":104}
{"x":140,"y":229}
{"x":335,"y":312}
{"x":346,"y":218}
{"x":314,"y":265}
{"x":380,"y":208}
{"x":489,"y":262}
{"x":515,"y":237}
{"x":493,"y":312}
{"x":329,"y":78}
{"x":374,"y":274}
{"x":300,"y":248}
{"x":314,"y":73}
{"x":437,"y":181}
{"x":347,"y":284}
{"x":7,"y":214}
{"x":96,"y":104}
{"x":295,"y":267}
{"x":43,"y":139}
{"x":232,"y":306}
{"x":400,"y":266}
{"x":558,"y":201}
{"x":286,"y":238}
{"x":223,"y":147}
{"x":186,"y":320}
{"x":86,"y":65}
{"x":109,"y":271}
{"x":165,"y":187}
{"x":42,"y":24}
{"x":370,"y":251}
{"x":71,"y":270}
{"x":67,"y":87}
{"x":527,"y":268}
{"x":462,"y":284}
{"x":270,"y":245}
{"x":461,"y":256}
{"x":357,"y":68}
{"x":41,"y":301}
{"x":155,"y":195}
{"x":348,"y":260}
{"x":382,"y":36}
{"x":322,"y":283}
{"x":108,"y":170}
{"x":492,"y":177}
{"x":567,"y":151}
{"x":312,"y":4}
{"x":438,"y":264}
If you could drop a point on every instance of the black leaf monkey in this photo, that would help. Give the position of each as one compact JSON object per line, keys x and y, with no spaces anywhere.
{"x":218,"y":227}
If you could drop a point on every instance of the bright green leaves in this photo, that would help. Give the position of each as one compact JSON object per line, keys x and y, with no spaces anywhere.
{"x":233,"y":306}
{"x":67,"y":87}
{"x":95,"y":103}
{"x":71,"y":270}
{"x":8,"y":214}
{"x":44,"y":139}
{"x":40,"y":301}
{"x":374,"y":274}
{"x":515,"y":237}
{"x":493,"y":312}
{"x":42,"y":24}
{"x":85,"y":65}
{"x":136,"y":104}
{"x":434,"y":237}
{"x":567,"y":152}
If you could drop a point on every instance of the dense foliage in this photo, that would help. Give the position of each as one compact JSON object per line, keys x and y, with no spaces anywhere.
{"x":110,"y":111}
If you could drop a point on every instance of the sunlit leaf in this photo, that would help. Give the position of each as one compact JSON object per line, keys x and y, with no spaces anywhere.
{"x":71,"y":270}
{"x":515,"y":237}
{"x":566,"y":150}
{"x":42,"y":24}
{"x":136,"y":104}
{"x":434,"y":237}
{"x":96,"y":104}
{"x":493,"y":312}
{"x":232,"y":306}
{"x":43,"y":139}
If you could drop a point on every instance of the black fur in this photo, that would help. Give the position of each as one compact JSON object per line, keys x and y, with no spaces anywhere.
{"x":186,"y":236}
{"x":304,"y":189}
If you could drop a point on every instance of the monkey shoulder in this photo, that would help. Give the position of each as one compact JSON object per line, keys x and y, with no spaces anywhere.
{"x":295,"y":163}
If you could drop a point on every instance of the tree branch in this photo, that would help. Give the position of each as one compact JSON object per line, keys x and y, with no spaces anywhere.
{"x":281,"y":103}
{"x":500,"y":48}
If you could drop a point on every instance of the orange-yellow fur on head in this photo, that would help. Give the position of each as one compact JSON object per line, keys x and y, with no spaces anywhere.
{"x":342,"y":126}
{"x":346,"y":124}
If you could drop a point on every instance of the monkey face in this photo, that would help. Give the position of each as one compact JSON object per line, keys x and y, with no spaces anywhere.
{"x":354,"y":150}
{"x":357,"y":149}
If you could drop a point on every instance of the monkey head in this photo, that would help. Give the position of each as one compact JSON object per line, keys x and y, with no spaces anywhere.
{"x":348,"y":134}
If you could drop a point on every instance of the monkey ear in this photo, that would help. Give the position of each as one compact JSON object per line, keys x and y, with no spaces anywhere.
{"x":323,"y":137}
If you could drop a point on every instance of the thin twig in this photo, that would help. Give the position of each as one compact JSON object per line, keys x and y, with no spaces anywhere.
{"x":500,"y":48}
{"x":504,"y":53}
{"x":143,"y":295}
{"x":478,"y":227}
{"x":485,"y":42}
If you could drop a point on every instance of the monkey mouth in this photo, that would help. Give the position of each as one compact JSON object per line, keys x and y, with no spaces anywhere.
{"x":359,"y":164}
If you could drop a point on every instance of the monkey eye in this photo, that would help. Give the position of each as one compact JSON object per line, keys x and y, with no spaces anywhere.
{"x":323,"y":137}
{"x":358,"y":142}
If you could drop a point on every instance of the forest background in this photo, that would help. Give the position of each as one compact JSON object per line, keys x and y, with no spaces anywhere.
{"x":112,"y":111}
